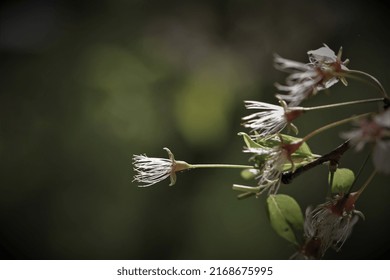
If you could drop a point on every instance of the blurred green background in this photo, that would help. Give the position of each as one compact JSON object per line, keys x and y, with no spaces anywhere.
{"x":87,"y":84}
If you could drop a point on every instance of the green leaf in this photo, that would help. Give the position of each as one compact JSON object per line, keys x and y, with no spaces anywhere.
{"x":249,"y":141}
{"x":251,"y":144}
{"x":289,"y":139}
{"x":270,"y":142}
{"x":304,"y":149}
{"x":342,"y":180}
{"x":285,"y":216}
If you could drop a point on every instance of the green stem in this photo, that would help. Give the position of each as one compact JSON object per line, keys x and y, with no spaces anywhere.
{"x":331,"y":125}
{"x":360,"y":171}
{"x":245,"y":195}
{"x":343,"y":104}
{"x":193,"y":166}
{"x":359,"y":192}
{"x":382,"y":89}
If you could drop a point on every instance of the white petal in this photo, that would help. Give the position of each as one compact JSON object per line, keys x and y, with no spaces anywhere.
{"x":383,"y":119}
{"x":323,"y":54}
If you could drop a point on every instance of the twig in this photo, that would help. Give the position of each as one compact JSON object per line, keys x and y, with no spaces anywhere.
{"x":333,"y":157}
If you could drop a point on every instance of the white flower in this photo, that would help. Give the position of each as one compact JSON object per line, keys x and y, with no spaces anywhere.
{"x":273,"y":163}
{"x":376,"y":131}
{"x":331,"y":226}
{"x":270,"y":177}
{"x":270,"y":171}
{"x":150,"y":171}
{"x":367,"y":131}
{"x":329,"y":64}
{"x":305,"y":80}
{"x":271,"y":119}
{"x":328,"y":226}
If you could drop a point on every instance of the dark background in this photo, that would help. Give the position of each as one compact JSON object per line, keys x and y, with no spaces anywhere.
{"x":87,"y":84}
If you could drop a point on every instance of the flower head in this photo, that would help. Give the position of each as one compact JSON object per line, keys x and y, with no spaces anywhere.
{"x":271,"y":119}
{"x":305,"y":80}
{"x":328,"y":226}
{"x":326,"y":58}
{"x":272,"y":165}
{"x":150,"y":171}
{"x":270,"y":174}
{"x":374,"y":130}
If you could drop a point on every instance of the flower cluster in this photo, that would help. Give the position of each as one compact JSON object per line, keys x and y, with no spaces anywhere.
{"x":278,"y":158}
{"x":324,"y":70}
{"x":331,"y":223}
